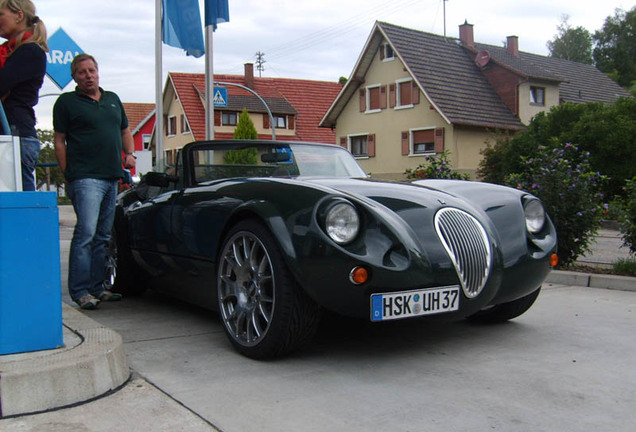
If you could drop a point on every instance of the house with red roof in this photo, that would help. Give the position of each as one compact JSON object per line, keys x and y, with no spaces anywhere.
{"x":297,"y":107}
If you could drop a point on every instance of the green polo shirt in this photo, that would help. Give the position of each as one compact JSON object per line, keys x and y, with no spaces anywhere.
{"x":93,"y":134}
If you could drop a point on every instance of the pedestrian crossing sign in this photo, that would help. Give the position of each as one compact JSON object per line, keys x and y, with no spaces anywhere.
{"x":220,"y":96}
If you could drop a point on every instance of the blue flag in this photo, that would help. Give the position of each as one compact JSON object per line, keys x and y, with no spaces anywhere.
{"x":181,"y":26}
{"x":216,"y":12}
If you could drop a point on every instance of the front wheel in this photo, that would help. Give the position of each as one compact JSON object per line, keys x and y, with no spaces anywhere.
{"x":264,"y":311}
{"x":506,"y":311}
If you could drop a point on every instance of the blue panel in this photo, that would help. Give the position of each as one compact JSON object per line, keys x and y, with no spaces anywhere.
{"x":30,"y":280}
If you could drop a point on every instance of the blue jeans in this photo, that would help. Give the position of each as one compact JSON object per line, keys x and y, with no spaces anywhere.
{"x":94,"y":204}
{"x":29,"y":151}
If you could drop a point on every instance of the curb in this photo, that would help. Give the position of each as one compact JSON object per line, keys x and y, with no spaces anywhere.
{"x":91,"y":364}
{"x":592,"y":280}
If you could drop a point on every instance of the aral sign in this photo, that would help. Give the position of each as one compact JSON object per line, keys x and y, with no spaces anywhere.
{"x":62,"y":50}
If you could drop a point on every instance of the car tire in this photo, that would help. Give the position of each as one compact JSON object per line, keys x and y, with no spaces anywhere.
{"x":265,"y":313}
{"x":505,"y":311}
{"x":121,"y":271}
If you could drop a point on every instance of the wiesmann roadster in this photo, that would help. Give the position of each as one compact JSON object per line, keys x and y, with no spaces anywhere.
{"x":269,"y":234}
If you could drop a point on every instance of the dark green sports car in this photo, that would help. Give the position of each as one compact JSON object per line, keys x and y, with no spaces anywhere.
{"x":270,"y":233}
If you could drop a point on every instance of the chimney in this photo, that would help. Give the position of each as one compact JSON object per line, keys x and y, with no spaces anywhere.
{"x":466,"y":36}
{"x":512,"y":45}
{"x":249,"y":75}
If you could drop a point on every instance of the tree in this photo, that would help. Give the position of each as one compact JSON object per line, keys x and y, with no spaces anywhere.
{"x":615,"y":51}
{"x":574,"y":44}
{"x":607,"y":132}
{"x":48,"y":172}
{"x":245,"y":129}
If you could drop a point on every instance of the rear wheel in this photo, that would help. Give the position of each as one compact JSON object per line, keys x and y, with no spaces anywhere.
{"x":121,"y":272}
{"x":264,"y":311}
{"x":505,"y":311}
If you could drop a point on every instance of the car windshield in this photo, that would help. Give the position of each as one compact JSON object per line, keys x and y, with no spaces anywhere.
{"x":268,"y":160}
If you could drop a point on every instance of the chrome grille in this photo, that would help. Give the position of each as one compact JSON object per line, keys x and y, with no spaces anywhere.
{"x":467,"y":244}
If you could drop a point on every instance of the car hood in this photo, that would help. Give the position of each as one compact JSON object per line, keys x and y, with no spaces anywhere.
{"x":499,"y":209}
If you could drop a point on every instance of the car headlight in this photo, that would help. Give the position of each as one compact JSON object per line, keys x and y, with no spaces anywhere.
{"x":535,"y":215}
{"x":342,"y":222}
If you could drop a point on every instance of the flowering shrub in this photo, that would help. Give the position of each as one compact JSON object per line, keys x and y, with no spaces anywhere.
{"x":560,"y":175}
{"x":628,"y":223}
{"x":435,"y":167}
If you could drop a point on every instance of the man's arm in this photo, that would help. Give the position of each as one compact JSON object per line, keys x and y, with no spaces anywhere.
{"x":59,"y":141}
{"x":128,"y":145}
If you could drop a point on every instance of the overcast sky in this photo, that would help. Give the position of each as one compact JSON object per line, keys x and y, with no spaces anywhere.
{"x":301,"y":39}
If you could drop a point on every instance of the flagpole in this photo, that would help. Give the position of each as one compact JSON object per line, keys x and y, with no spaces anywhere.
{"x":209,"y":83}
{"x":158,"y":90}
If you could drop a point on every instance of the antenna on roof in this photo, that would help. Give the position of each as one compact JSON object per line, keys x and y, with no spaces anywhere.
{"x":444,"y":3}
{"x":260,"y":61}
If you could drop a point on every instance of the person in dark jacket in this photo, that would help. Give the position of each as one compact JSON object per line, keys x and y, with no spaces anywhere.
{"x":22,"y":69}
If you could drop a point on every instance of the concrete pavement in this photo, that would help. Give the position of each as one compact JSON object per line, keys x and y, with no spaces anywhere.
{"x":92,"y":350}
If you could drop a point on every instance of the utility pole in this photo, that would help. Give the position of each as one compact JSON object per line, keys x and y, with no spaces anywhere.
{"x":260,"y":61}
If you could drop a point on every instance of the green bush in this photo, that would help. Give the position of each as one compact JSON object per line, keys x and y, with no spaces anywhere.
{"x":435,"y":167}
{"x":628,"y":222}
{"x":561,"y":176}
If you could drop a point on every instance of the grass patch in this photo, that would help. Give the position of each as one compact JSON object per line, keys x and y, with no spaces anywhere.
{"x":625,"y":267}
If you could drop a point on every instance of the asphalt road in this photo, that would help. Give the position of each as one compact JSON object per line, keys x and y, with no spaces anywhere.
{"x":566,"y":365}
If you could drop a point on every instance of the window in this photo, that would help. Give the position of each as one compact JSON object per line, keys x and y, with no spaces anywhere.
{"x":358,"y":145}
{"x":537,"y":95}
{"x":170,"y":157}
{"x":373,"y":100}
{"x":405,"y":93}
{"x":280,"y":121}
{"x":229,"y":118}
{"x":145,"y":138}
{"x":423,"y":141}
{"x":185,"y":126}
{"x":386,"y":52}
{"x":171,"y":126}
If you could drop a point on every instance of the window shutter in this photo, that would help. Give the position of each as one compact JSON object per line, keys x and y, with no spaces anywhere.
{"x":383,"y":97}
{"x":343,"y":142}
{"x":362,"y":94}
{"x":439,"y":140}
{"x":405,"y":144}
{"x":392,"y":98}
{"x":165,"y":123}
{"x":382,"y":49}
{"x":415,"y":93}
{"x":266,"y":124}
{"x":371,"y":145}
{"x":217,"y":118}
{"x":290,"y":122}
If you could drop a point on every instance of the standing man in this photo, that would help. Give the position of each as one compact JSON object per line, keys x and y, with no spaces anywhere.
{"x":91,"y":129}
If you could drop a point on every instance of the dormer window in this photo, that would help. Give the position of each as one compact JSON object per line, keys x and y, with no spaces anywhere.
{"x":386,"y":52}
{"x":280,"y":121}
{"x":537,"y":95}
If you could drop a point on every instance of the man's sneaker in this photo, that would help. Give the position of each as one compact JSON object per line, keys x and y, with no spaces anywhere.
{"x":108,"y":296}
{"x":87,"y":302}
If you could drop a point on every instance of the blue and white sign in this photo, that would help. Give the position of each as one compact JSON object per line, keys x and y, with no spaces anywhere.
{"x":220,"y":97}
{"x":62,"y":50}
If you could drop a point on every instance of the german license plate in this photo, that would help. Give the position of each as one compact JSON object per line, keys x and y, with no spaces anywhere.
{"x":409,"y":304}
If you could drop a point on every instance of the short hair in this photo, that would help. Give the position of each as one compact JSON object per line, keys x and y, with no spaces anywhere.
{"x":80,"y":58}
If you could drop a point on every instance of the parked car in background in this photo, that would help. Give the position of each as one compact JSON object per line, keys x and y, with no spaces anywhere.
{"x":269,"y":234}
